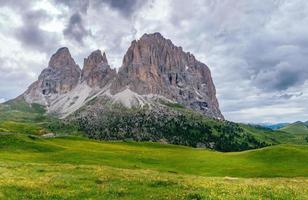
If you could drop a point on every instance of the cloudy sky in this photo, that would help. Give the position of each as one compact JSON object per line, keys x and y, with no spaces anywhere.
{"x":257,"y":50}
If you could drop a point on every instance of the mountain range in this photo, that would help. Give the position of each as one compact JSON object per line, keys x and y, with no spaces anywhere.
{"x":153,"y":69}
{"x":273,"y":126}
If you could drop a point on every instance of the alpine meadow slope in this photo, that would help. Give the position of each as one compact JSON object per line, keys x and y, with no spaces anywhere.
{"x":79,"y":168}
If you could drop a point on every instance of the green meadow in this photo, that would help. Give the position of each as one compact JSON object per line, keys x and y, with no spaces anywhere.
{"x":74,"y":167}
{"x":78,"y":168}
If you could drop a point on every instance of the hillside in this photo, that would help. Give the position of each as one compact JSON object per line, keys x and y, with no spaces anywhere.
{"x":162,"y":157}
{"x":298,"y":130}
{"x":35,"y":168}
{"x":180,"y":126}
{"x":174,"y":124}
{"x":274,"y":126}
{"x":280,"y":136}
{"x":20,"y":117}
{"x":171,"y":123}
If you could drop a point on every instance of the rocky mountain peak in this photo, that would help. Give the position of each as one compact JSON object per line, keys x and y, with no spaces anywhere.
{"x":153,"y":68}
{"x":154,"y":65}
{"x":61,"y":76}
{"x":62,"y":58}
{"x":96,"y":57}
{"x":150,"y":36}
{"x":96,"y":71}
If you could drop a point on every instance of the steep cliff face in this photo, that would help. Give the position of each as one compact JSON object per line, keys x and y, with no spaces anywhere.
{"x":153,"y":69}
{"x":154,"y":65}
{"x":96,"y":71}
{"x":60,"y":77}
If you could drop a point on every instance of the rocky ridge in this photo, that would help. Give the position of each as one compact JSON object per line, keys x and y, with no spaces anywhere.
{"x":154,"y":65}
{"x":153,"y":68}
{"x":61,"y":76}
{"x":96,"y":71}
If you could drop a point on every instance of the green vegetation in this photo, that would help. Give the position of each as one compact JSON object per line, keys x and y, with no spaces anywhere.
{"x":174,"y":124}
{"x":298,"y":130}
{"x":21,"y":127}
{"x":296,"y":133}
{"x":281,"y":136}
{"x":173,"y":105}
{"x":74,"y":167}
{"x":170,"y":125}
{"x":78,"y":168}
{"x":19,"y":104}
{"x":20,"y":117}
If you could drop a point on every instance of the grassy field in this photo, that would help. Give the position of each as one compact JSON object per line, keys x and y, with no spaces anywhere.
{"x":291,"y":134}
{"x":32,"y":167}
{"x":78,"y":168}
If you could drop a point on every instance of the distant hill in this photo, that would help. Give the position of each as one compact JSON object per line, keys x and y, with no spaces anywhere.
{"x":274,"y":126}
{"x":296,"y":128}
{"x":299,"y":130}
{"x":291,"y":134}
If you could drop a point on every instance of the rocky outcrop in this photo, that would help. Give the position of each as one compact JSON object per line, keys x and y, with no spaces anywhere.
{"x":96,"y":71}
{"x":154,"y":65}
{"x":60,"y":77}
{"x":153,"y":69}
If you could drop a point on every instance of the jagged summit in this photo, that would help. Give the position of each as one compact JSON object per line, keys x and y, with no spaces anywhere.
{"x":153,"y":67}
{"x":62,"y":58}
{"x":152,"y":35}
{"x":96,"y":71}
{"x":60,"y":77}
{"x":97,"y":57}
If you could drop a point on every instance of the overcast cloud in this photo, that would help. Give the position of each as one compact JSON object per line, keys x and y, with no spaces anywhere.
{"x":257,"y":50}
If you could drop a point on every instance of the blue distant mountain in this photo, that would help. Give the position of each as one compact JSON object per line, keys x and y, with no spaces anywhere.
{"x":274,"y":126}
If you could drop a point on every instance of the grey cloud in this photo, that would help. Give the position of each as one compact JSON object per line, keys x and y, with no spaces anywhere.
{"x":13,"y":79}
{"x":277,"y":67}
{"x":75,"y":5}
{"x":254,"y":50}
{"x":29,"y":33}
{"x":20,"y":4}
{"x":286,"y":96}
{"x":76,"y":29}
{"x":125,"y":7}
{"x":289,"y":96}
{"x":32,"y":36}
{"x":259,"y":38}
{"x":280,"y":77}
